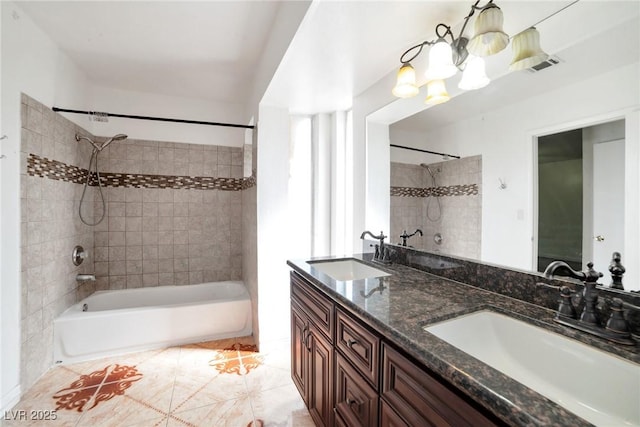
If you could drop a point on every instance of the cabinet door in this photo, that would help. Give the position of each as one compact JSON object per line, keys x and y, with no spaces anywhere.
{"x":320,"y":389}
{"x":299,"y":353}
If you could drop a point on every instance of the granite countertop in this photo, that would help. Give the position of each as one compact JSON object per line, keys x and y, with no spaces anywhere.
{"x":412,"y":299}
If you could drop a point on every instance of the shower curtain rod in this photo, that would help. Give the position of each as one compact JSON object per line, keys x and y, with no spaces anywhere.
{"x":425,"y":151}
{"x":157,"y":119}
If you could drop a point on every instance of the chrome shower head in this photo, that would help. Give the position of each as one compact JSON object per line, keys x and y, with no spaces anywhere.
{"x":118,"y":137}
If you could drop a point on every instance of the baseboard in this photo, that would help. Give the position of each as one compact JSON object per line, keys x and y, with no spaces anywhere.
{"x":10,"y":399}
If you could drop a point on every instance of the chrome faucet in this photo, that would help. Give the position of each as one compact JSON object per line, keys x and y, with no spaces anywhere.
{"x":404,"y":236}
{"x":381,"y":253}
{"x":616,"y":328}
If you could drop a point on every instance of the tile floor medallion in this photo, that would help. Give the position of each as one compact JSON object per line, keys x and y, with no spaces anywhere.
{"x":98,"y":386}
{"x":226,"y":365}
{"x":209,"y":384}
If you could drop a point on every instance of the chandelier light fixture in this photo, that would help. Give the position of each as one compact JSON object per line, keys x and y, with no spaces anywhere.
{"x":446,"y":58}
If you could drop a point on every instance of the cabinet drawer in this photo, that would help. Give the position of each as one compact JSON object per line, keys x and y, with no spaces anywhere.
{"x":420,"y":398}
{"x":356,"y":400}
{"x":318,"y":307}
{"x":359,"y":345}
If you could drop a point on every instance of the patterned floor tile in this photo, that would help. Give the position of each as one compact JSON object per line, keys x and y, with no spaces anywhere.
{"x":90,"y":389}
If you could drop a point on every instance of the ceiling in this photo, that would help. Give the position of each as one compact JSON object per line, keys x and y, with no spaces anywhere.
{"x":210,"y":49}
{"x":197,"y":49}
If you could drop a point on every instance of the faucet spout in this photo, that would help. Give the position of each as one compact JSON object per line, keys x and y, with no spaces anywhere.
{"x":587,"y":276}
{"x":551,"y":269}
{"x":364,"y":233}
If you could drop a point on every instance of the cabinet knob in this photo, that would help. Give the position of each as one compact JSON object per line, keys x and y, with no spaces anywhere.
{"x":351,"y":343}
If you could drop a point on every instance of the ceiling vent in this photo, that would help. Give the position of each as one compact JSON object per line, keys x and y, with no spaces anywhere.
{"x":551,"y":61}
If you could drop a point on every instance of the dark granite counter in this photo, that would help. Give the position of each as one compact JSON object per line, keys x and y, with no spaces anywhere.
{"x":412,"y":299}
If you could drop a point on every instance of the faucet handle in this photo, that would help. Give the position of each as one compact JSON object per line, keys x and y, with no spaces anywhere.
{"x":617,"y":323}
{"x":617,"y":270}
{"x":566,"y":307}
{"x":590,"y":275}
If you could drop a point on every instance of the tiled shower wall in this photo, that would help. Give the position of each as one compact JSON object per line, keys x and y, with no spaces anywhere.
{"x":50,"y":230}
{"x":167,"y":236}
{"x":458,"y":218}
{"x":173,"y":216}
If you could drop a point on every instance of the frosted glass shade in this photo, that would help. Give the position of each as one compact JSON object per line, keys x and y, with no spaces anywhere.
{"x":474,"y":75}
{"x":489,"y":37}
{"x":526,"y":50}
{"x":440,"y":61}
{"x":436,"y":92}
{"x":406,"y":82}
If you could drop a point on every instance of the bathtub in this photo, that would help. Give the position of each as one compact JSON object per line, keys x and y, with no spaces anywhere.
{"x":123,"y":321}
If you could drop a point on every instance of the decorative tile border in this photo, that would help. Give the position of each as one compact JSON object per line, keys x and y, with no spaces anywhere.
{"x":53,"y":169}
{"x":451,"y":190}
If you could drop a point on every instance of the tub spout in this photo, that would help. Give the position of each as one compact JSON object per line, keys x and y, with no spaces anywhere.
{"x":86,"y":278}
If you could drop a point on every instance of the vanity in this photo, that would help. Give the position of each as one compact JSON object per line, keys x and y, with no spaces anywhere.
{"x":362,"y":353}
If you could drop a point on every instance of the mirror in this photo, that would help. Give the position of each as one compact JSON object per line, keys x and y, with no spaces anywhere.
{"x":485,"y":205}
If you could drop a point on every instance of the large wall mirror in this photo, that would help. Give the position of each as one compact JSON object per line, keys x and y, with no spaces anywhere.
{"x":531,"y":167}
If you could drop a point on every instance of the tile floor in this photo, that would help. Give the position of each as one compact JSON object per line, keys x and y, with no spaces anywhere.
{"x":217,"y":383}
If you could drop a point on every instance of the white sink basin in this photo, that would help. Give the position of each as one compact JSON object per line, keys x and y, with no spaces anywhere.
{"x":347,"y":269}
{"x":599,"y":387}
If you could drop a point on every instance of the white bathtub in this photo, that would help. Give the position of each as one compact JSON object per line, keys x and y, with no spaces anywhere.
{"x":123,"y":321}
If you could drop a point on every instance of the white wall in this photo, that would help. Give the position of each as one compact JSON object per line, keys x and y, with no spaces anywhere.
{"x":505,"y":138}
{"x":273,"y":223}
{"x":31,"y":63}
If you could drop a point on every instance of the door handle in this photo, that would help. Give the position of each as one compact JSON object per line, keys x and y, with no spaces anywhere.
{"x":599,"y":238}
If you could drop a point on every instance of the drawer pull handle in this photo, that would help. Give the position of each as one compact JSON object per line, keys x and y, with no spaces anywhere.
{"x":352,"y":402}
{"x":351,"y":343}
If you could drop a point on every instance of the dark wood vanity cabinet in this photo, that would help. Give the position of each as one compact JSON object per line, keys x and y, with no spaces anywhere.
{"x":312,"y":350}
{"x":348,"y":375}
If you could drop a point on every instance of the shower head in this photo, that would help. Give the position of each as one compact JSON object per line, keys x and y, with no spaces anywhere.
{"x":118,"y":137}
